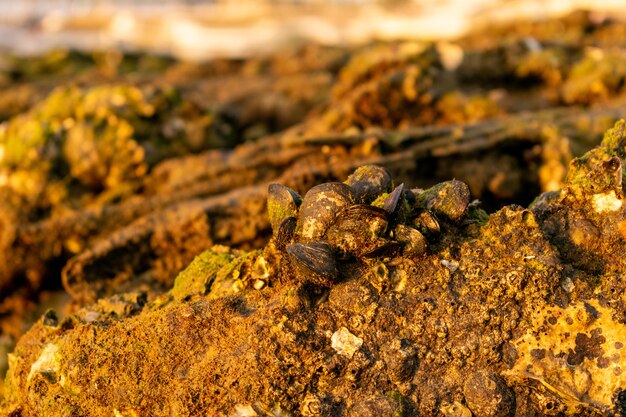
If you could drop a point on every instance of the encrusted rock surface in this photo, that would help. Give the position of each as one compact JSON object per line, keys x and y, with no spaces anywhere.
{"x":517,"y":313}
{"x":375,"y":286}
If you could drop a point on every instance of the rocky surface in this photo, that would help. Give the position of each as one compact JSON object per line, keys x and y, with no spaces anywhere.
{"x":328,"y":257}
{"x":422,"y":304}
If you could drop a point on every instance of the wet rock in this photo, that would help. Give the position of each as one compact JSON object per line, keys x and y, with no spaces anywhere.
{"x":433,"y":308}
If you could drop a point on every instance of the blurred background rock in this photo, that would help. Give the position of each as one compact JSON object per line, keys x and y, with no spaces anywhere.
{"x":198,"y":30}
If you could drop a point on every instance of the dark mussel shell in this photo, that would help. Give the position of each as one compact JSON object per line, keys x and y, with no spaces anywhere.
{"x":369,"y":182}
{"x":314,"y":262}
{"x":282,"y":202}
{"x":319,"y":208}
{"x":448,"y":200}
{"x":359,"y":229}
{"x":286,"y":232}
{"x":427,"y":223}
{"x":391,"y":202}
{"x":414,"y":242}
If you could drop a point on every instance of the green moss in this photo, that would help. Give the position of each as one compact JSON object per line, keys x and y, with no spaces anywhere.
{"x":198,"y":277}
{"x":475,"y":214}
{"x":400,"y":401}
{"x":614,"y":139}
{"x":598,"y":171}
{"x":597,"y":76}
{"x":234,"y":276}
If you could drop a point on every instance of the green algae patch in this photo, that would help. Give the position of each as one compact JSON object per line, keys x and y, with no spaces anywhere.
{"x":380,"y":200}
{"x":598,"y":175}
{"x":198,"y":277}
{"x":614,"y":139}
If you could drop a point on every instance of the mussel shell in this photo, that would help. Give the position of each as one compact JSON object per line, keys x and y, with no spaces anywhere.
{"x":385,"y":249}
{"x":319,"y":208}
{"x":282,"y":202}
{"x":286,"y":232}
{"x":369,"y":182}
{"x":448,"y":200}
{"x":314,"y":262}
{"x":411,"y":196}
{"x":427,"y":223}
{"x":391,"y":202}
{"x":414,"y":242}
{"x":50,"y":318}
{"x":359,"y":229}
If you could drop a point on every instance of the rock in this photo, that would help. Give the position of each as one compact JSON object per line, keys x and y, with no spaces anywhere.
{"x":504,"y":326}
{"x":345,"y":343}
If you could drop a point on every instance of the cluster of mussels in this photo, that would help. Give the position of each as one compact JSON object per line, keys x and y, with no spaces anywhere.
{"x":364,"y":217}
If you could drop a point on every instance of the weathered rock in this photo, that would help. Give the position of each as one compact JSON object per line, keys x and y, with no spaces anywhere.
{"x":514,"y":328}
{"x":454,"y":311}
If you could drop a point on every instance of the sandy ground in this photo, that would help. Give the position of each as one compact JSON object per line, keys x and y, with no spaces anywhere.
{"x":242,"y":28}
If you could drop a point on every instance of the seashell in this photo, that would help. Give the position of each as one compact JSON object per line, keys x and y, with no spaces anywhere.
{"x":261,"y":271}
{"x":314,"y":262}
{"x":386,"y":249}
{"x":414,"y":242}
{"x":391,"y":202}
{"x":368,"y":182}
{"x":455,"y":409}
{"x":345,"y":343}
{"x":427,"y":224}
{"x":448,"y":199}
{"x":314,"y":405}
{"x":50,"y":319}
{"x":379,"y":277}
{"x":286,"y":232}
{"x":282,"y":202}
{"x":411,"y":196}
{"x":319,"y":208}
{"x":358,"y":229}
